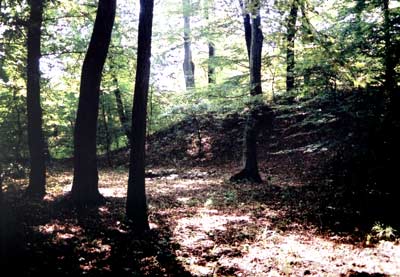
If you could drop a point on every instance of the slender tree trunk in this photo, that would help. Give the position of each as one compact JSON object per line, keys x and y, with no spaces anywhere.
{"x":255,"y":55}
{"x":247,"y":27}
{"x":389,"y":59}
{"x":136,"y":205}
{"x":37,"y":175}
{"x":150,"y":115}
{"x":250,"y":171}
{"x":3,"y":74}
{"x":290,"y":37}
{"x":121,"y":112}
{"x":211,"y":66}
{"x":106,"y":131}
{"x":211,"y":46}
{"x":196,"y":122}
{"x":188,"y":65}
{"x":85,"y":185}
{"x":18,"y":155}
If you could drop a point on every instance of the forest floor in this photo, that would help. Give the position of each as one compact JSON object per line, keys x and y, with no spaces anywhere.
{"x":298,"y":222}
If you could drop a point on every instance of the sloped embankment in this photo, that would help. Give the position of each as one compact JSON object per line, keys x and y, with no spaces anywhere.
{"x":316,"y":145}
{"x":301,"y":132}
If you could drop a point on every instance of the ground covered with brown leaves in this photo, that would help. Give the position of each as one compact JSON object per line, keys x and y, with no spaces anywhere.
{"x":301,"y":221}
{"x":201,"y":225}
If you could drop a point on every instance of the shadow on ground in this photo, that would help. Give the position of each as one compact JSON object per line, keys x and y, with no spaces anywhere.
{"x":55,"y":239}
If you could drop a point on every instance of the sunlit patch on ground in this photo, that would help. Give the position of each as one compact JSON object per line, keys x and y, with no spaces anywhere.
{"x":216,"y":228}
{"x":224,"y":232}
{"x":58,"y":227}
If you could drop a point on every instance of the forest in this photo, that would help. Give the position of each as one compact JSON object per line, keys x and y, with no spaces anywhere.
{"x":199,"y":138}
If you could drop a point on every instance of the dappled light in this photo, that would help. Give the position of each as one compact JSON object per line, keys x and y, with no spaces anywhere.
{"x":200,"y":138}
{"x":213,"y":227}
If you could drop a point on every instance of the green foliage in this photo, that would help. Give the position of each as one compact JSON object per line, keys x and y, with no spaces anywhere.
{"x":381,"y":232}
{"x":339,"y":45}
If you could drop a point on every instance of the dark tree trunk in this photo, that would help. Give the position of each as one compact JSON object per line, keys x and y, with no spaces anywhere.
{"x":85,"y":185}
{"x":247,"y":26}
{"x":121,"y":111}
{"x":150,"y":115}
{"x":106,"y":131}
{"x":389,"y":59}
{"x":250,"y":171}
{"x":136,"y":205}
{"x":37,"y":175}
{"x":255,"y":55}
{"x":211,"y":67}
{"x":290,"y":37}
{"x":20,"y":130}
{"x":188,"y":65}
{"x":3,"y":74}
{"x":211,"y":47}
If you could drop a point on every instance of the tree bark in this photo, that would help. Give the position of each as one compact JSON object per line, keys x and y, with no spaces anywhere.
{"x":389,"y":58}
{"x":250,"y":170}
{"x":3,"y":74}
{"x":247,"y":27}
{"x":18,"y":154}
{"x":188,"y":65}
{"x":136,"y":204}
{"x":106,"y":131}
{"x":211,"y":66}
{"x":211,"y":46}
{"x":121,"y":111}
{"x":37,"y":175}
{"x":290,"y":38}
{"x":255,"y":55}
{"x":85,"y":184}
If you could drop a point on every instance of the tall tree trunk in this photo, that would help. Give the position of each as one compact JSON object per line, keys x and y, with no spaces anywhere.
{"x":255,"y":55}
{"x":150,"y":113}
{"x":3,"y":74}
{"x":18,"y":155}
{"x":188,"y":65}
{"x":391,"y":123}
{"x":211,"y":66}
{"x":106,"y":131}
{"x":121,"y":111}
{"x":290,"y":37}
{"x":37,"y":175}
{"x":247,"y":27}
{"x":211,"y":46}
{"x":389,"y":59}
{"x":250,"y":171}
{"x":136,"y":206}
{"x":85,"y":185}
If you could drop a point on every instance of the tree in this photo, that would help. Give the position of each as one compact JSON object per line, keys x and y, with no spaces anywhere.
{"x":247,"y":27}
{"x":37,"y":175}
{"x":211,"y":46}
{"x":188,"y":65}
{"x":136,"y":205}
{"x":85,"y":184}
{"x":389,"y":58}
{"x":290,"y":36}
{"x":106,"y":129}
{"x":121,"y":110}
{"x":250,"y":171}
